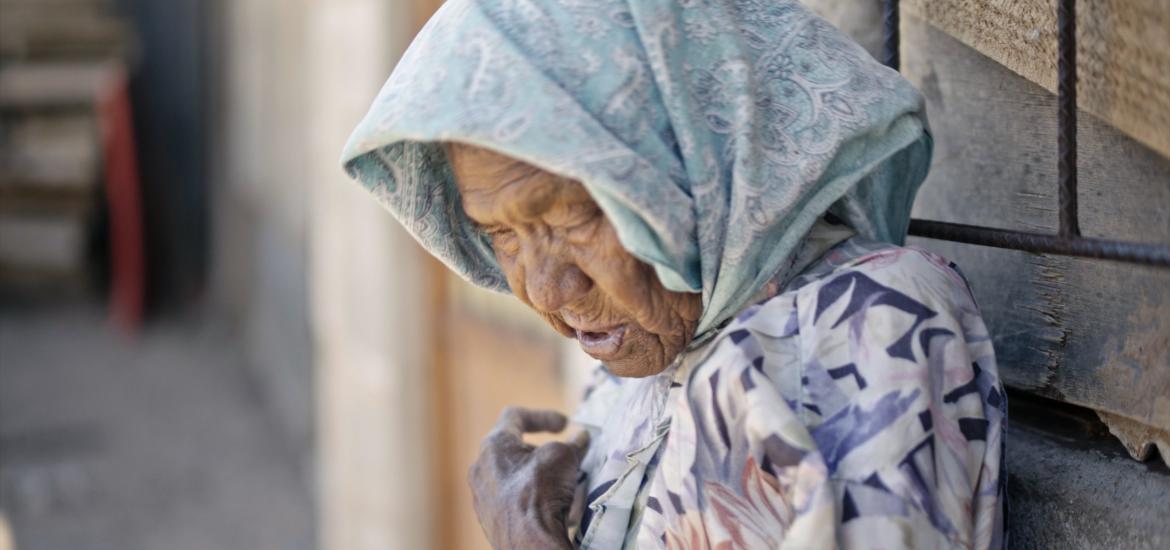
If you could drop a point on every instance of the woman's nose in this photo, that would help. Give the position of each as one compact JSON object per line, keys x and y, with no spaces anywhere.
{"x":552,"y":283}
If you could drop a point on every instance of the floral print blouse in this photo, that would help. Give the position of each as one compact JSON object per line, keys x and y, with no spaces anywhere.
{"x":861,"y":407}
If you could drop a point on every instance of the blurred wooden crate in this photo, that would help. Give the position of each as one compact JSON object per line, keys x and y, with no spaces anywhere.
{"x":50,"y":171}
{"x":73,"y":29}
{"x":54,"y":86}
{"x":43,"y":244}
{"x":49,"y":154}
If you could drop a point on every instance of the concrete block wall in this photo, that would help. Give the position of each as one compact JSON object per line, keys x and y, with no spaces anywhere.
{"x":260,"y":208}
{"x":328,"y":293}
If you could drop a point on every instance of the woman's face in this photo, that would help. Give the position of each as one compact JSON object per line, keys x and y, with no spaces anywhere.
{"x":562,"y":257}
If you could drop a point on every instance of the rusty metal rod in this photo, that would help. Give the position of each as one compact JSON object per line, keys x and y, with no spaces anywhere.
{"x":1066,"y":115}
{"x":1068,"y":242}
{"x":890,"y":38}
{"x":1136,"y":253}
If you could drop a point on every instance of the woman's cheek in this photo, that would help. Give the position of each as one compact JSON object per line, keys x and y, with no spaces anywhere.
{"x":643,"y":300}
{"x":514,"y":274}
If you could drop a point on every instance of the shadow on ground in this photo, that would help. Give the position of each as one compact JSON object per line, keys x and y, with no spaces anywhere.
{"x":108,"y":442}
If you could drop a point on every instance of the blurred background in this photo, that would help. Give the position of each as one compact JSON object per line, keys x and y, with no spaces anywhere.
{"x":211,"y":339}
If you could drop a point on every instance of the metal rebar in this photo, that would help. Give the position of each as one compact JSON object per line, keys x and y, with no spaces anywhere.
{"x":1066,"y":22}
{"x":890,"y":36}
{"x":1068,"y":242}
{"x":1137,"y":253}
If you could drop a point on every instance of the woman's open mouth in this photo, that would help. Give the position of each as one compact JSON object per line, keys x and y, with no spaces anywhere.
{"x":602,"y":344}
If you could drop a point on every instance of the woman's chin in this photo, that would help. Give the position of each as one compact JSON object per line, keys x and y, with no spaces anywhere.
{"x":639,"y":360}
{"x":628,"y":350}
{"x":624,"y":354}
{"x":634,"y":369}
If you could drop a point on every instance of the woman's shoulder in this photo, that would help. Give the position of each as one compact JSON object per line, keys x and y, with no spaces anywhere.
{"x":870,"y":306}
{"x":882,"y":283}
{"x":908,"y":269}
{"x":857,"y":269}
{"x":900,"y":265}
{"x":889,"y":303}
{"x":879,"y":366}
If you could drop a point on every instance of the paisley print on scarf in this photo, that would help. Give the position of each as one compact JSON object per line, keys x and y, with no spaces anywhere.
{"x":713,"y":133}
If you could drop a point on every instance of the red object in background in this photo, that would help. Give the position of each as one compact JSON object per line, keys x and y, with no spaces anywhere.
{"x":124,"y":197}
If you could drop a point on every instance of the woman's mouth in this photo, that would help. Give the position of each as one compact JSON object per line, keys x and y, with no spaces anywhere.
{"x":602,"y":344}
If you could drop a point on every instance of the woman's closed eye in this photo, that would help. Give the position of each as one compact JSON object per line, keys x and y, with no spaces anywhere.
{"x":503,"y":239}
{"x":584,"y":230}
{"x":494,"y":231}
{"x":578,"y":224}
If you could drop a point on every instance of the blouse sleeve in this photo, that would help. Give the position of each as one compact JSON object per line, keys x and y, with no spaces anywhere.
{"x":862,"y":410}
{"x":901,"y":394}
{"x":740,"y":469}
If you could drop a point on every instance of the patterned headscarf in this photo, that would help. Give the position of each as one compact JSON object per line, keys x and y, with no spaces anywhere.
{"x":712,"y":133}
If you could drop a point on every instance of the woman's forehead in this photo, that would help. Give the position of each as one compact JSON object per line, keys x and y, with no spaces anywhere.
{"x":481,"y":170}
{"x":492,"y":184}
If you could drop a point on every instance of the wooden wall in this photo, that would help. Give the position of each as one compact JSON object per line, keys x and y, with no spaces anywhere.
{"x":489,"y":363}
{"x":1123,"y":52}
{"x":489,"y":352}
{"x":1092,"y":333}
{"x":369,"y":288}
{"x":1088,"y":332}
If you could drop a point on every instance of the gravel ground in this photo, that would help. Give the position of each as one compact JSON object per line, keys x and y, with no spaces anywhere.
{"x":152,"y":442}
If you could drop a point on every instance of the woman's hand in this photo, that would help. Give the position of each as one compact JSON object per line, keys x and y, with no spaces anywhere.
{"x":521,"y":492}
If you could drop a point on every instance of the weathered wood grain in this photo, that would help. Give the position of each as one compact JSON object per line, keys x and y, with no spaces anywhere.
{"x":1123,"y":52}
{"x":55,"y":86}
{"x":49,"y":153}
{"x":1087,"y":332}
{"x":60,"y":29}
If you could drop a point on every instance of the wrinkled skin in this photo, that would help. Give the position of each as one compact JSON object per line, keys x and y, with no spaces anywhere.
{"x":563,"y":259}
{"x":522,"y":493}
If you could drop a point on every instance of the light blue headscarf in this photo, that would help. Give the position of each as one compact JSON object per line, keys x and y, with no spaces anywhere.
{"x":712,"y":133}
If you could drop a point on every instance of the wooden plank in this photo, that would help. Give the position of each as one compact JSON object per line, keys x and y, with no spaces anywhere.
{"x":423,"y":10}
{"x":62,"y":34}
{"x":56,"y":4}
{"x":1092,"y":333}
{"x":54,"y":244}
{"x":30,"y":200}
{"x":1123,"y":52}
{"x":41,"y":286}
{"x":35,"y":86}
{"x":492,"y":364}
{"x":369,"y":302}
{"x":443,"y":373}
{"x":75,"y":29}
{"x":49,"y":153}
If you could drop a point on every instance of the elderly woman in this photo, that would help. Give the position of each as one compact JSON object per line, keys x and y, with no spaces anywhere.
{"x":708,"y":196}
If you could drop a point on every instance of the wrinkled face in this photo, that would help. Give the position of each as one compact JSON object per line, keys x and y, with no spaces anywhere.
{"x":563,"y":259}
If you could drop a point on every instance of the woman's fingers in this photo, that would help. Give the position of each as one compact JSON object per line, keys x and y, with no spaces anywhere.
{"x":558,"y":462}
{"x":581,"y":442}
{"x":563,"y":456}
{"x":519,"y":421}
{"x":557,"y":454}
{"x":521,"y":493}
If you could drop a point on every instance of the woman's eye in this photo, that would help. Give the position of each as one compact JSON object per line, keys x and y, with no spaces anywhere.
{"x":584,"y":230}
{"x":503,"y":240}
